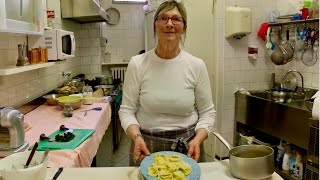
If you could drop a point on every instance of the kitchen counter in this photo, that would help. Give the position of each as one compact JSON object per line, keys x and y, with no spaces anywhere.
{"x":217,"y":170}
{"x":47,"y":119}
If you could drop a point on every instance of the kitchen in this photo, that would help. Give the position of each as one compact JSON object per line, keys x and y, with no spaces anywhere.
{"x":227,"y":59}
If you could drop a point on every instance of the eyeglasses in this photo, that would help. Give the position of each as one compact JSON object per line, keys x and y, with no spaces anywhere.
{"x":174,"y":20}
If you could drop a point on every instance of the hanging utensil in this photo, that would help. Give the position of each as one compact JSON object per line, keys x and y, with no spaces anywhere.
{"x":299,"y":39}
{"x":268,"y":44}
{"x":279,"y":53}
{"x":288,"y":46}
{"x":316,"y":51}
{"x":307,"y":55}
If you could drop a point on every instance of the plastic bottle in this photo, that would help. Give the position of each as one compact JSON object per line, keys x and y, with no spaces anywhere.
{"x":298,"y":166}
{"x":280,"y":153}
{"x":314,"y":9}
{"x":292,"y":158}
{"x":87,"y":93}
{"x":286,"y":157}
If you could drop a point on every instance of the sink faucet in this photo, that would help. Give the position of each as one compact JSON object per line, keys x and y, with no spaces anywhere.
{"x":302,"y":83}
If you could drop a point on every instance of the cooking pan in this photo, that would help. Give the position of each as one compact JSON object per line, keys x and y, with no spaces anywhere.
{"x":288,"y":46}
{"x":249,"y":161}
{"x":279,"y":54}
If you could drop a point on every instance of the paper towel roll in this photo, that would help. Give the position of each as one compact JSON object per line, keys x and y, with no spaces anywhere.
{"x":316,"y":108}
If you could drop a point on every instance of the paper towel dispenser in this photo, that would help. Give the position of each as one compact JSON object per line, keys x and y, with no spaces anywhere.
{"x":238,"y":22}
{"x":83,"y":11}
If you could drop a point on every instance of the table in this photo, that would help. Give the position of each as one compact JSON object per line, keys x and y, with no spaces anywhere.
{"x":210,"y":170}
{"x":47,"y":119}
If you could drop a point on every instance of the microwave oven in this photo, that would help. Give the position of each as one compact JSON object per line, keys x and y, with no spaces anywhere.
{"x":59,"y":43}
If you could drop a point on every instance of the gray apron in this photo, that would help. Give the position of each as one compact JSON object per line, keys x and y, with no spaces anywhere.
{"x":171,"y":140}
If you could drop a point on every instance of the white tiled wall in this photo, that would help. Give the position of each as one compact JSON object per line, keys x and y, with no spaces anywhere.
{"x":126,"y":38}
{"x":19,"y":88}
{"x":240,"y":72}
{"x":90,"y":49}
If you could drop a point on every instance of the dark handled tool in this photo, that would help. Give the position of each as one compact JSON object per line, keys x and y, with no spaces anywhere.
{"x":35,"y":146}
{"x":95,"y":109}
{"x":63,"y":128}
{"x":43,"y":137}
{"x":55,"y":177}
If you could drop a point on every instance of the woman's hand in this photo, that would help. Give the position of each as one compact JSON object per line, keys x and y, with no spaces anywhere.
{"x":194,"y":149}
{"x":194,"y":144}
{"x":140,"y":150}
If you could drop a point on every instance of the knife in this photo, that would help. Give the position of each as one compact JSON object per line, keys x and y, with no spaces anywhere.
{"x":55,"y":177}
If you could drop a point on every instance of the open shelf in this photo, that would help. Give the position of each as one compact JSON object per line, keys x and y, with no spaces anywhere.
{"x":18,"y":69}
{"x":294,"y":22}
{"x":286,"y":174}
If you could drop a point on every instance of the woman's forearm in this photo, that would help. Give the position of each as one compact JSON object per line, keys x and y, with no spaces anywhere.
{"x":201,"y":135}
{"x":133,"y":130}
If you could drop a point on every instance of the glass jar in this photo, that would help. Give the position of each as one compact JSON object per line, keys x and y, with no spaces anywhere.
{"x":67,"y":110}
{"x":87,"y":94}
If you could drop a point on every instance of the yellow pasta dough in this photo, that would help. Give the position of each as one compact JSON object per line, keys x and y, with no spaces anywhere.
{"x":169,"y":167}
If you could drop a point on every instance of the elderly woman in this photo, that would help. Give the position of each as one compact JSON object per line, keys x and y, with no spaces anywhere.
{"x":167,"y":103}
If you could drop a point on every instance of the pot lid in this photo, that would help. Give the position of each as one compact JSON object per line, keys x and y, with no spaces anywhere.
{"x":113,"y":16}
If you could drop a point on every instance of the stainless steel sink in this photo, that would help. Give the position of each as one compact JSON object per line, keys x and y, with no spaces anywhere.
{"x":296,"y":101}
{"x":287,"y":121}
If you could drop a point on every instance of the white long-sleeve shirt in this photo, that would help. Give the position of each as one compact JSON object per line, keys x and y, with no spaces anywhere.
{"x":166,"y":94}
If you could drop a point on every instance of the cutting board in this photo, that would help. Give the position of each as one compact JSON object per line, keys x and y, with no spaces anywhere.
{"x":80,"y":136}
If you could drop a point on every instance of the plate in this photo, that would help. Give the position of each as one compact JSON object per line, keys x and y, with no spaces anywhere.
{"x":146,"y":162}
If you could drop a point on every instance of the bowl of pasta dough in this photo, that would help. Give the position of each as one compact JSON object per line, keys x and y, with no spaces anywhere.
{"x":13,"y":166}
{"x":169,"y":165}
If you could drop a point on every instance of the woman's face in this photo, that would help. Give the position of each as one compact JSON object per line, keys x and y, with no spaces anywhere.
{"x":169,"y":26}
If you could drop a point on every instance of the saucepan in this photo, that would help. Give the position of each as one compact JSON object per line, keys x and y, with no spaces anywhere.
{"x":249,"y":161}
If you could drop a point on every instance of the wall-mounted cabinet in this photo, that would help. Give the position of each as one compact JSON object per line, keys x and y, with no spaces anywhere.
{"x":21,"y":16}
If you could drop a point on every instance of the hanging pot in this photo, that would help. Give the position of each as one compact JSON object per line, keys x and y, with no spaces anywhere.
{"x":249,"y":161}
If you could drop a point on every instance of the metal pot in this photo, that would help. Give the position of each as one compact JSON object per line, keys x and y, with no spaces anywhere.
{"x":281,"y":95}
{"x":249,"y":161}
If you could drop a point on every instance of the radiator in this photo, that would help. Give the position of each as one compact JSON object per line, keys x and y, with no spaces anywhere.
{"x":118,"y":72}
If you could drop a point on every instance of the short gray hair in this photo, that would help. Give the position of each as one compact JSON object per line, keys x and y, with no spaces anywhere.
{"x":167,"y":6}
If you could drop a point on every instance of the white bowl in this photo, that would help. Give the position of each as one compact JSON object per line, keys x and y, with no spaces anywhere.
{"x":12,"y":167}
